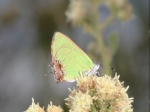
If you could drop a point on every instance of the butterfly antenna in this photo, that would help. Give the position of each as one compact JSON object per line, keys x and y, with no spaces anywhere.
{"x":102,"y":67}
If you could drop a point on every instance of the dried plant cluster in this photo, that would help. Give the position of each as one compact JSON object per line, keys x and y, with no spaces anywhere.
{"x":99,"y":94}
{"x":82,"y":11}
{"x":94,"y":94}
{"x":36,"y":108}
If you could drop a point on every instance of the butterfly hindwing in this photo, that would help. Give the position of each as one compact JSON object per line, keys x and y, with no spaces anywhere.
{"x":70,"y":56}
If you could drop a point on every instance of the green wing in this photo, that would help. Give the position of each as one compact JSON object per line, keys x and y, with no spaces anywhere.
{"x":73,"y":59}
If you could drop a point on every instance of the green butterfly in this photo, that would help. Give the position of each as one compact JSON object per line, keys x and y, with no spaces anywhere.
{"x":68,"y":60}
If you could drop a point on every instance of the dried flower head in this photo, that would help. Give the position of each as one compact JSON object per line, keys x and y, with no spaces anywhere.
{"x":53,"y":108}
{"x":34,"y":107}
{"x":113,"y":94}
{"x":79,"y":102}
{"x":78,"y":11}
{"x":86,"y":83}
{"x":99,"y":94}
{"x":120,"y":8}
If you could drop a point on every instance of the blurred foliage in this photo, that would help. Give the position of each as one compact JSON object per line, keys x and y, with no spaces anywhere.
{"x":85,"y":13}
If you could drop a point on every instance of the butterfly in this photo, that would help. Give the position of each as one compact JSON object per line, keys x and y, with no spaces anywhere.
{"x":68,"y":60}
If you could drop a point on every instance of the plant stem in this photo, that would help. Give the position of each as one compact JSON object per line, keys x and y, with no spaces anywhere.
{"x":96,"y":32}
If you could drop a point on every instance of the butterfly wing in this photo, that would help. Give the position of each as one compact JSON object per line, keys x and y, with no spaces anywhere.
{"x":70,"y":56}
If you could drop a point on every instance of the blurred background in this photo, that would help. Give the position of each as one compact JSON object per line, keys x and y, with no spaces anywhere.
{"x":26,"y":30}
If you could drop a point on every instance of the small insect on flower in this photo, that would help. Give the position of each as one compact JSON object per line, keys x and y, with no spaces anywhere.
{"x":68,"y":60}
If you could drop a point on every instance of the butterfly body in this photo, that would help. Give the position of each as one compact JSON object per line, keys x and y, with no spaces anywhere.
{"x":57,"y":68}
